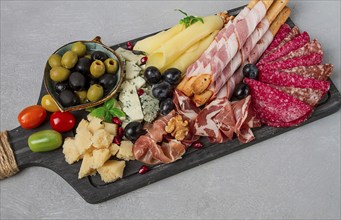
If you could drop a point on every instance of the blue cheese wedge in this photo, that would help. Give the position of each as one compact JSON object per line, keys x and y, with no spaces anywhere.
{"x":138,"y":82}
{"x":131,"y":102}
{"x":128,"y":55}
{"x":132,"y":70}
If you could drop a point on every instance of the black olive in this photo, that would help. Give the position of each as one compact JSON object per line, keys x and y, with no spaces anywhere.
{"x":133,"y":131}
{"x":67,"y":98}
{"x":108,"y":81}
{"x":241,"y":91}
{"x":152,"y":75}
{"x":83,"y":65}
{"x":61,"y":86}
{"x":250,"y":71}
{"x":172,"y":76}
{"x":162,"y":90}
{"x":99,"y":55}
{"x":166,"y":106}
{"x":77,"y":81}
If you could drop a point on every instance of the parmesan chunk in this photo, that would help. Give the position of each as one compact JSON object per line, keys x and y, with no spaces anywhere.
{"x":86,"y":169}
{"x":82,"y":124}
{"x":83,"y":140}
{"x":102,"y":139}
{"x":125,"y":151}
{"x":111,"y":128}
{"x":70,"y":150}
{"x":95,"y":124}
{"x":114,"y":149}
{"x":99,"y":157}
{"x":111,"y":170}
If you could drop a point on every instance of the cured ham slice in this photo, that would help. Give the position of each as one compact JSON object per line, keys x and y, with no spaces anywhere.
{"x":276,"y":108}
{"x":221,"y":119}
{"x":282,"y":33}
{"x":292,"y":45}
{"x":309,"y":60}
{"x":306,"y":95}
{"x":319,"y":72}
{"x":292,"y":80}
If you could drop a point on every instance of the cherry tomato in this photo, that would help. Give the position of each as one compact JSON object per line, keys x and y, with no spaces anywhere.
{"x":62,"y":121}
{"x":32,"y":116}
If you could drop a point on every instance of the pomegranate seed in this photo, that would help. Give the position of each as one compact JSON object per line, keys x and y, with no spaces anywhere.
{"x":129,"y":45}
{"x":120,"y":132}
{"x":117,"y":121}
{"x":143,"y":169}
{"x":197,"y":145}
{"x":117,"y":140}
{"x":140,"y":92}
{"x":144,"y":60}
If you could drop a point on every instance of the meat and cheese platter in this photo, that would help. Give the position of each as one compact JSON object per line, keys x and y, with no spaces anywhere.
{"x":110,"y":120}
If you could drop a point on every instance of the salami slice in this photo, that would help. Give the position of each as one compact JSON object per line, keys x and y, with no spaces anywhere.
{"x":276,"y":108}
{"x":294,"y":44}
{"x":292,"y":80}
{"x":308,"y":60}
{"x":319,"y":72}
{"x":293,"y":33}
{"x":306,"y":95}
{"x":309,"y":48}
{"x":281,"y":34}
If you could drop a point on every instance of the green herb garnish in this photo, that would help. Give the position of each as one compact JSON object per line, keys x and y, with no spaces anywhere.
{"x":189,"y":19}
{"x":107,"y":111}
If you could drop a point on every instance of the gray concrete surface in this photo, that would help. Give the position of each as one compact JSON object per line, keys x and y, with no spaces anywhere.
{"x":293,"y":176}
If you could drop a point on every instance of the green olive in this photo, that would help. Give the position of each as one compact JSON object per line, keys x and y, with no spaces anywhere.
{"x":79,"y":48}
{"x":111,"y":65}
{"x":55,"y":60}
{"x":82,"y":96}
{"x":95,"y":93}
{"x":59,"y":74}
{"x":88,"y":56}
{"x":97,"y":68}
{"x":69,"y":59}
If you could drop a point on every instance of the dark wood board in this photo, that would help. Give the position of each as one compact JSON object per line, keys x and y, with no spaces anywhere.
{"x":93,"y":190}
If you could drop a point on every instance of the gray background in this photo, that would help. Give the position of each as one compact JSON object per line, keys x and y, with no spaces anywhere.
{"x":294,"y":175}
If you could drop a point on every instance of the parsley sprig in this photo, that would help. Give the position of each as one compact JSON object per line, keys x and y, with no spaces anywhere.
{"x":189,"y":19}
{"x":107,"y":111}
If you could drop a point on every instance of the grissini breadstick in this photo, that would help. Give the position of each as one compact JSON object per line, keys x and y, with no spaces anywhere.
{"x":229,"y":46}
{"x":185,"y":85}
{"x":256,"y":53}
{"x":201,"y":98}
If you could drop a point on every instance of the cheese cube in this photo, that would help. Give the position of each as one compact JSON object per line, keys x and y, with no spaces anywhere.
{"x":111,"y":170}
{"x":95,"y":124}
{"x":114,"y":149}
{"x":82,"y":124}
{"x":131,"y":102}
{"x":111,"y":128}
{"x":102,"y":139}
{"x":132,"y":70}
{"x":125,"y":151}
{"x":99,"y":157}
{"x":86,"y":169}
{"x":83,"y":139}
{"x":70,"y":150}
{"x":138,"y":82}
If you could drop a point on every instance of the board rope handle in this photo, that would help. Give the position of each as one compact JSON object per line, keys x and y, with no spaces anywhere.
{"x":8,"y":164}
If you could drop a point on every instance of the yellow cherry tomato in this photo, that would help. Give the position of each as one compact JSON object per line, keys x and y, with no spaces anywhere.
{"x":49,"y":104}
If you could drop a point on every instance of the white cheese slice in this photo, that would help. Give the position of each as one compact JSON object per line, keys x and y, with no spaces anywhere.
{"x":129,"y":55}
{"x":138,"y":82}
{"x":131,"y":102}
{"x":132,"y":70}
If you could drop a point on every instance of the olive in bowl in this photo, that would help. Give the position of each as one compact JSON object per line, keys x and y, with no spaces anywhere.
{"x":69,"y":69}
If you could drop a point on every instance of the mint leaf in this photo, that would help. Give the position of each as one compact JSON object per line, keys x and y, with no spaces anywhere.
{"x":98,"y":112}
{"x":109,"y":103}
{"x":115,"y":112}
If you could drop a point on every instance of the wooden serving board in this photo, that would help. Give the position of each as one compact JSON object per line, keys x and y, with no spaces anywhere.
{"x":93,"y":190}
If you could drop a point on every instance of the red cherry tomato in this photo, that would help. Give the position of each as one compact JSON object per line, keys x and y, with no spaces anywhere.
{"x":32,"y":116}
{"x":62,"y":121}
